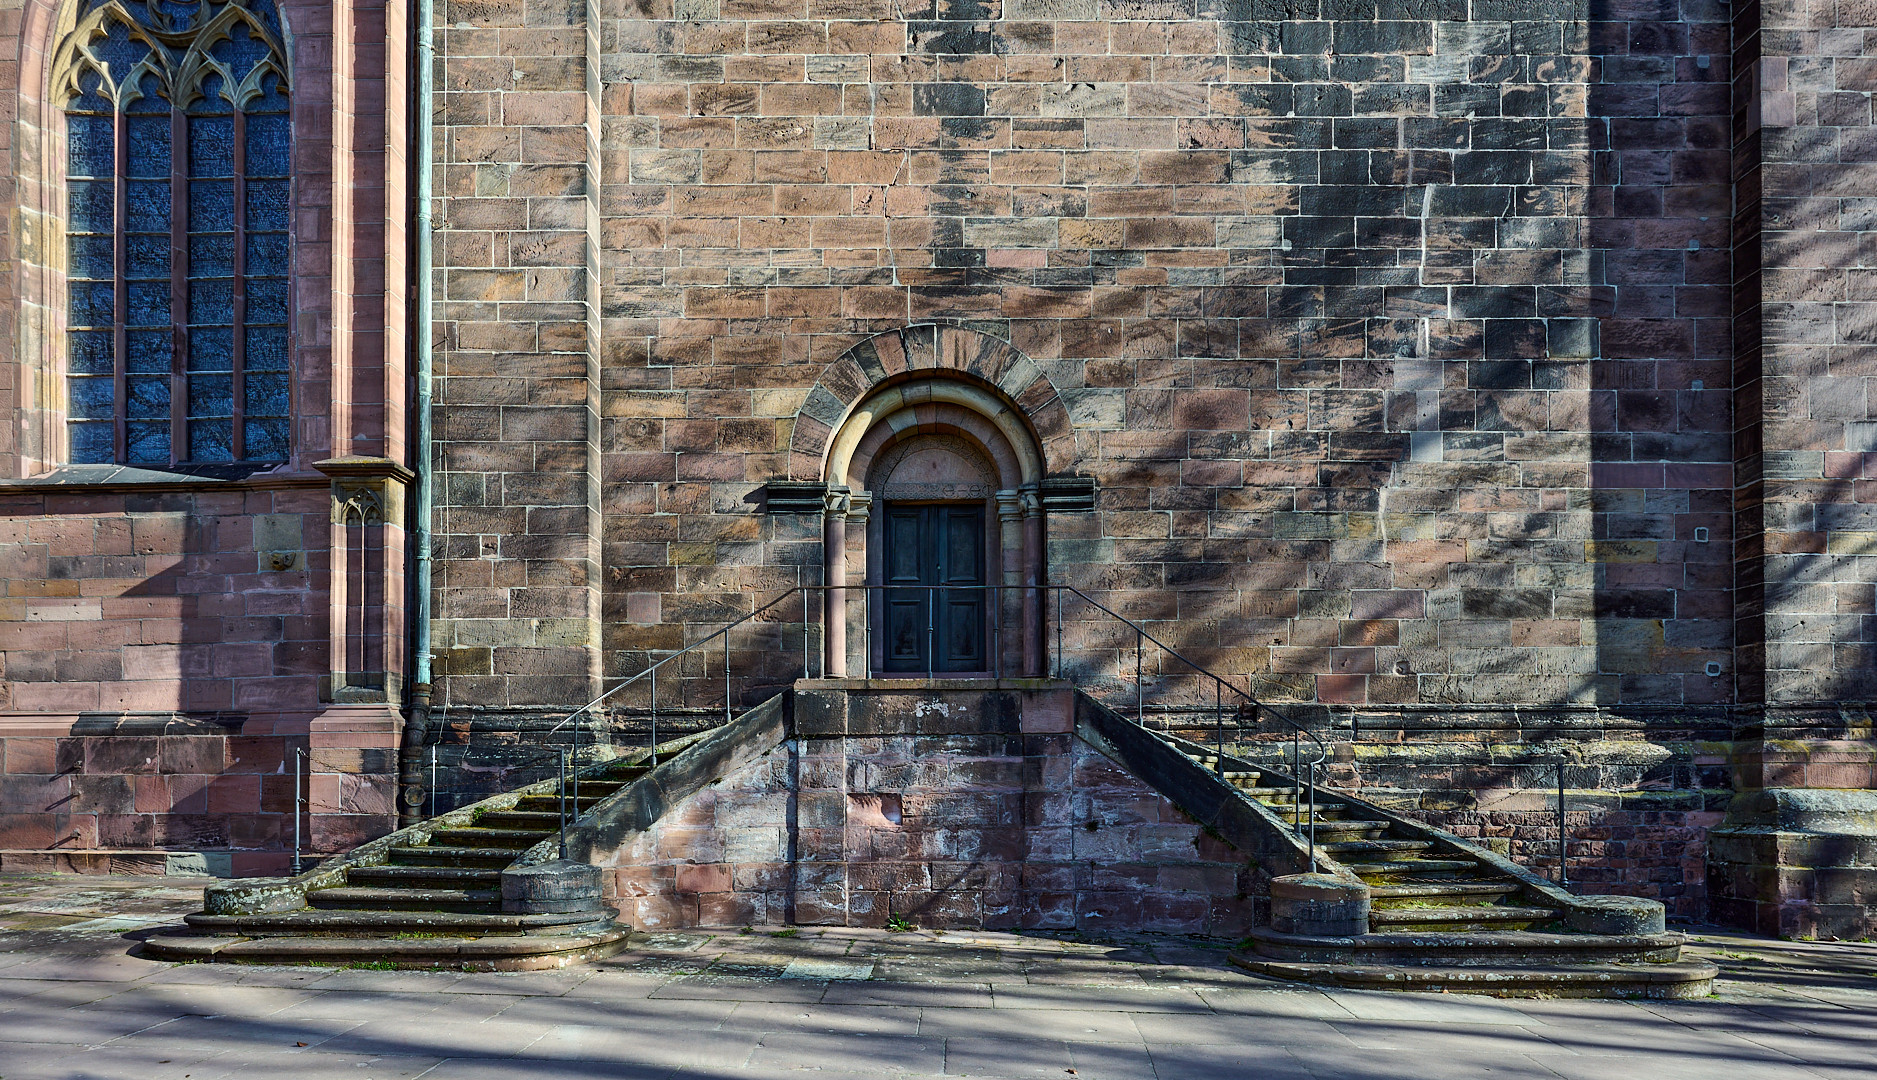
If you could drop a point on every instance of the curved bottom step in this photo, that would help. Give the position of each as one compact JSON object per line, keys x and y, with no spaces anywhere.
{"x":316,"y":922}
{"x":1682,"y":981}
{"x":508,"y":953}
{"x":1462,"y":949}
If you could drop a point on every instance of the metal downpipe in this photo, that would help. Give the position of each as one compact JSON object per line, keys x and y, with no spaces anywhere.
{"x":423,"y":95}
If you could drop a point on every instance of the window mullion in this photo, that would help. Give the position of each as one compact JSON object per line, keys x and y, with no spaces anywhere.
{"x":178,"y":282}
{"x":120,"y":291}
{"x":239,"y":347}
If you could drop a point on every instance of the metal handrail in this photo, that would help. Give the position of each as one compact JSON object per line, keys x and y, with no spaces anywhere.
{"x":1299,"y":789}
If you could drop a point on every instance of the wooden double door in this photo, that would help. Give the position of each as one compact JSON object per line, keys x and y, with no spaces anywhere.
{"x":935,"y":608}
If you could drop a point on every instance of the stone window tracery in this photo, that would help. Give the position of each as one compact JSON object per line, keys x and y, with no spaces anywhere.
{"x":177,"y":182}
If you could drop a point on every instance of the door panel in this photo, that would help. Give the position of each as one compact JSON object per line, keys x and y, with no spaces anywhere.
{"x":926,"y":628}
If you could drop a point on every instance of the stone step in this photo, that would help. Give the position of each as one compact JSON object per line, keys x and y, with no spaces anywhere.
{"x":1416,"y":867}
{"x":550,"y":804}
{"x":423,"y":877}
{"x":476,"y":836}
{"x":366,"y":899}
{"x":318,"y":922}
{"x":436,"y":855}
{"x":1455,"y":892}
{"x":1377,"y":850}
{"x":1684,"y":980}
{"x":1337,"y":831}
{"x":1459,"y":918}
{"x":1485,"y":948}
{"x":540,"y":821}
{"x":513,"y":953}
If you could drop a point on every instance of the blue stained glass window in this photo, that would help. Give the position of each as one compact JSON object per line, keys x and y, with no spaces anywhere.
{"x":267,"y":301}
{"x":92,"y":144}
{"x":148,"y":144}
{"x":267,"y":439}
{"x":146,"y":205}
{"x":151,"y":351}
{"x":91,"y":398}
{"x":212,"y":255}
{"x":149,"y":303}
{"x":91,"y":256}
{"x":133,"y":102}
{"x":211,"y":205}
{"x":211,"y":300}
{"x":214,"y":97}
{"x":211,"y":348}
{"x":267,"y":204}
{"x":91,"y":352}
{"x":120,"y":51}
{"x":211,"y":440}
{"x":211,"y":395}
{"x":267,"y":139}
{"x":267,"y":254}
{"x":92,"y":303}
{"x":266,"y":349}
{"x":89,"y":209}
{"x":211,"y":146}
{"x":146,"y":255}
{"x":148,"y":399}
{"x":91,"y":442}
{"x":240,"y":50}
{"x":266,"y":393}
{"x":147,"y":97}
{"x":149,"y":443}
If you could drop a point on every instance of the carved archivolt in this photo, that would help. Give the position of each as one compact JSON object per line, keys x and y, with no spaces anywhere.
{"x":178,"y":40}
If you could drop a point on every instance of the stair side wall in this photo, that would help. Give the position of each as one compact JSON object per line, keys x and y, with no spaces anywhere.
{"x":939,"y":807}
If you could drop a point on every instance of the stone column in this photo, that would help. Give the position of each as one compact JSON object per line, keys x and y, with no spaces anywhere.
{"x":1032,"y":578}
{"x":1010,"y":566}
{"x":834,"y":575}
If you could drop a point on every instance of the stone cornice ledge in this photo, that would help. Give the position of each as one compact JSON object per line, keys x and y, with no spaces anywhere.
{"x":365,"y":468}
{"x":116,"y":479}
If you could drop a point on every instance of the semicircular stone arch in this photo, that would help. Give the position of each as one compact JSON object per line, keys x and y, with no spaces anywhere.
{"x":930,"y":349}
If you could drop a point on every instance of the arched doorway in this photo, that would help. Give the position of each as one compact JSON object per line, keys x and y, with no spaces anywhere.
{"x":933,"y":506}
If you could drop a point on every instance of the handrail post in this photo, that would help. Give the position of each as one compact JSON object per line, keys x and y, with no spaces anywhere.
{"x":576,"y":771}
{"x":1296,"y":779}
{"x":563,"y":803}
{"x":997,"y":630}
{"x":1218,"y":716}
{"x":655,"y":711}
{"x":298,"y":753}
{"x":1058,"y":631}
{"x":1313,"y":817}
{"x":726,"y":676}
{"x":433,"y":780}
{"x":1140,"y":684}
{"x":1564,"y":874}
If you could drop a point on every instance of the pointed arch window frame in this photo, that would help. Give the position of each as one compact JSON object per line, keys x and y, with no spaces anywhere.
{"x":180,"y":37}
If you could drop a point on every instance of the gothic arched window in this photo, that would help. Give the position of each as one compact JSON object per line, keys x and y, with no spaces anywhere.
{"x":177,"y":180}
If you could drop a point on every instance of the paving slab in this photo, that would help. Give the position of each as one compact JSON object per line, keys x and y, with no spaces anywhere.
{"x":848,"y":1003}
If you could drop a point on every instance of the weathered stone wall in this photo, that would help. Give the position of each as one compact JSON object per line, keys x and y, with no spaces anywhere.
{"x":950,"y":809}
{"x":168,"y":641}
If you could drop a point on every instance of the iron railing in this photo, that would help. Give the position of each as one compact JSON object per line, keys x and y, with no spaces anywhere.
{"x":1244,"y":702}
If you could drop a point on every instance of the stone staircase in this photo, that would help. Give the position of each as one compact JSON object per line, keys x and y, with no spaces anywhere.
{"x":1443,"y":914}
{"x":428,"y":896}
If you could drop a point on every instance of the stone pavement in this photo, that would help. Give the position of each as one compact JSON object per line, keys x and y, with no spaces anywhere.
{"x":840,"y":1004}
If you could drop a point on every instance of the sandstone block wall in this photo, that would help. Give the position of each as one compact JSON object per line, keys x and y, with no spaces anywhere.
{"x":940,"y":808}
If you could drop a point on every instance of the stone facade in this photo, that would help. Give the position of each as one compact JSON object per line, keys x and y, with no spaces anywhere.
{"x":1482,"y":381}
